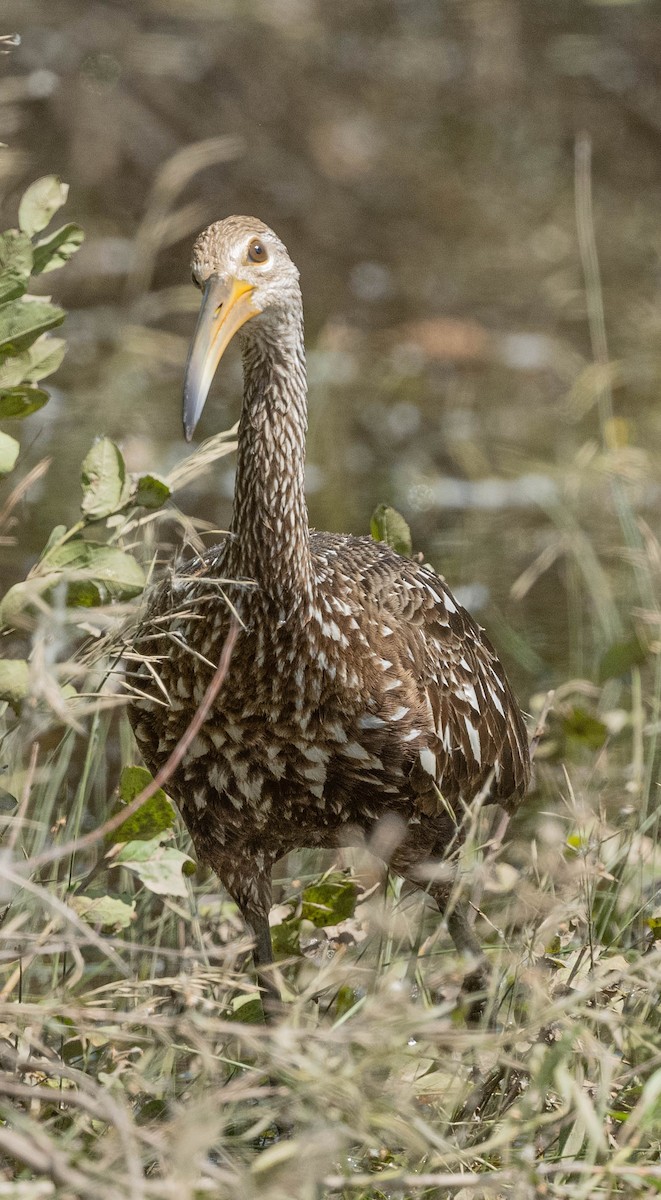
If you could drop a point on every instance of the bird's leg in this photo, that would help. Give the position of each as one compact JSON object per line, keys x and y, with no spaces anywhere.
{"x":476,"y":981}
{"x":263,"y":958}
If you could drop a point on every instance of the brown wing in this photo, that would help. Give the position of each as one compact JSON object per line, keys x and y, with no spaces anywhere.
{"x":471,"y":727}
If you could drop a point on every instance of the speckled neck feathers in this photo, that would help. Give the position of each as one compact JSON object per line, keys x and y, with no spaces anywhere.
{"x":270,"y":542}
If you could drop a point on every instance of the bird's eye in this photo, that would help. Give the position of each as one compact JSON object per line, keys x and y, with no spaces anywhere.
{"x":257,"y":252}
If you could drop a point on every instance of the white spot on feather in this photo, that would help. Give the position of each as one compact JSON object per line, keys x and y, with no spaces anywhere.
{"x":341,"y":606}
{"x":314,"y":753}
{"x":428,"y":761}
{"x":315,"y":773}
{"x":474,"y":739}
{"x":468,"y":692}
{"x":371,"y":721}
{"x":400,"y":712}
{"x":355,"y":750}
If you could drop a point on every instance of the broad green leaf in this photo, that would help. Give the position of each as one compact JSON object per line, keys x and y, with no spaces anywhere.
{"x":54,"y":537}
{"x":151,"y":491}
{"x":16,"y":604}
{"x":157,"y":866}
{"x":103,"y":479}
{"x":15,"y":264}
{"x":154,"y":817}
{"x":84,"y":593}
{"x":14,"y":681}
{"x":33,"y":364}
{"x":78,"y":573}
{"x":285,"y":938}
{"x":114,"y":571}
{"x":119,"y":572}
{"x":23,"y":321}
{"x":246,"y":1008}
{"x":387,"y":525}
{"x":330,"y":901}
{"x":73,"y":555}
{"x":54,"y":251}
{"x":19,"y":402}
{"x":14,"y":370}
{"x":620,"y":658}
{"x":9,"y":449}
{"x":107,"y":911}
{"x":40,"y":203}
{"x":45,"y":356}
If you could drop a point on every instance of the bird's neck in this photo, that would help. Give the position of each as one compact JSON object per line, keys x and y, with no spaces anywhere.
{"x":270,"y":542}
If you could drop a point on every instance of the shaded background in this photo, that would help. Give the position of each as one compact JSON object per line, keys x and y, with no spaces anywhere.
{"x":417,"y":157}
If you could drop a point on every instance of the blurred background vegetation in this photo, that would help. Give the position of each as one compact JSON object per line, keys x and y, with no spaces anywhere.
{"x":417,"y":157}
{"x":472,"y":191}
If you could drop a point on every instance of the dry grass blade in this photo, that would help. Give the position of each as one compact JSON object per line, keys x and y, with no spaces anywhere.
{"x":157,"y":226}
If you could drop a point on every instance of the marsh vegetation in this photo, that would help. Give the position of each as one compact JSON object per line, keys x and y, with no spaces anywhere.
{"x":472,"y":194}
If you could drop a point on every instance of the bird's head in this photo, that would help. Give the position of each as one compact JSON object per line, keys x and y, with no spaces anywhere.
{"x":246,"y":275}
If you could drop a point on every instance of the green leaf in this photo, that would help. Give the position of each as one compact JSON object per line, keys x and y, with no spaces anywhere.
{"x":119,"y":572}
{"x":246,"y":1008}
{"x":40,"y":203}
{"x":103,"y":479}
{"x":15,"y":264}
{"x":116,"y":573}
{"x":107,"y":911}
{"x":387,"y":525}
{"x":88,"y":573}
{"x":19,"y":402}
{"x":157,"y":866}
{"x":14,"y":370}
{"x":54,"y":251}
{"x":39,"y":360}
{"x":156,"y":815}
{"x":73,"y":555}
{"x":23,"y":321}
{"x":45,"y":356}
{"x":14,"y":681}
{"x":620,"y":658}
{"x":285,"y":938}
{"x":15,"y":603}
{"x":330,"y":901}
{"x":581,"y":727}
{"x":151,"y":491}
{"x":9,"y":449}
{"x":84,"y":593}
{"x":54,"y":537}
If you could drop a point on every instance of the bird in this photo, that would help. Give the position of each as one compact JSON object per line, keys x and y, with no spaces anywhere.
{"x":359,"y":689}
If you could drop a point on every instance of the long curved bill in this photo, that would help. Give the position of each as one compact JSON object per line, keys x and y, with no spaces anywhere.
{"x":226,"y":305}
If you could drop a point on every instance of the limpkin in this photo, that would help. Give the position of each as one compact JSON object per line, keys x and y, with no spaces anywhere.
{"x":358,"y":686}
